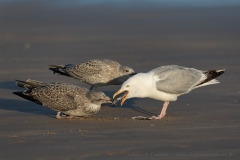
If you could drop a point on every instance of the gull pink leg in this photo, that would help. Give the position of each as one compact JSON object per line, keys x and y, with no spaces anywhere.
{"x":58,"y":116}
{"x":163,"y":112}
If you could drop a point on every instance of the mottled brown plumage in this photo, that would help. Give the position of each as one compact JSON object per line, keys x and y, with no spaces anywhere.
{"x":61,"y":97}
{"x":96,"y":72}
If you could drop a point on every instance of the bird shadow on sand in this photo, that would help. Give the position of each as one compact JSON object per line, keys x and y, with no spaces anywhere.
{"x":129,"y":104}
{"x":33,"y":108}
{"x":25,"y":107}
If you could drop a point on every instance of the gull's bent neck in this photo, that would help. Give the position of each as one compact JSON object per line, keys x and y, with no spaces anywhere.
{"x":143,"y":84}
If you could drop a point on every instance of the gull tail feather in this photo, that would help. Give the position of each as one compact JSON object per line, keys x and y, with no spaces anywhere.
{"x":59,"y":69}
{"x":29,"y":83}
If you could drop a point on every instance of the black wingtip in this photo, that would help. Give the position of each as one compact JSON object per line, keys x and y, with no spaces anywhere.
{"x":212,"y":74}
{"x":220,"y":71}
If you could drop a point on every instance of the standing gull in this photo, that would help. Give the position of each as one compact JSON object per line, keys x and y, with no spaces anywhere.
{"x":69,"y":99}
{"x":96,"y":72}
{"x":166,"y":83}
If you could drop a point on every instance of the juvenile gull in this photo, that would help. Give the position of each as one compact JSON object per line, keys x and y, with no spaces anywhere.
{"x":166,"y":83}
{"x":96,"y":72}
{"x":69,"y":99}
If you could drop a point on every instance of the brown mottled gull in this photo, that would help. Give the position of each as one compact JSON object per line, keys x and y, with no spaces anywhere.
{"x":166,"y":83}
{"x":61,"y":97}
{"x":96,"y":72}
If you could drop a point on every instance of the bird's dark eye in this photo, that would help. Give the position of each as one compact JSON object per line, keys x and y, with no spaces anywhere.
{"x":127,"y":70}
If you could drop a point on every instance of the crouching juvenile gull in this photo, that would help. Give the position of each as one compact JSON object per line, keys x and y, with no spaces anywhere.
{"x":71,"y":100}
{"x":96,"y":72}
{"x":166,"y":83}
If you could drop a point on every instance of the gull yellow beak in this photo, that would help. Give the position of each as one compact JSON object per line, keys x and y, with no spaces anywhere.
{"x":123,"y":98}
{"x":117,"y":93}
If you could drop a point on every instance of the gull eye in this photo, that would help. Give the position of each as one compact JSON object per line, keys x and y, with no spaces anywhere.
{"x":127,"y":70}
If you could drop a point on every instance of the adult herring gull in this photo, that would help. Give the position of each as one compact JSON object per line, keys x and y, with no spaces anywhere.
{"x":96,"y":72}
{"x":166,"y":83}
{"x":71,"y":100}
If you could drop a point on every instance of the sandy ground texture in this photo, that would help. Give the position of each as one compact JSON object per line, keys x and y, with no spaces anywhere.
{"x":142,"y":34}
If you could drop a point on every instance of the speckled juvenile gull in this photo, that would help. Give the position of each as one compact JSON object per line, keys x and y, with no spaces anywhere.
{"x":96,"y":72}
{"x":61,"y":97}
{"x":166,"y":83}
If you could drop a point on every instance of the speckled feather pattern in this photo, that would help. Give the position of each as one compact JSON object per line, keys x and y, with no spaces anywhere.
{"x":58,"y":96}
{"x":97,"y":72}
{"x":69,"y":99}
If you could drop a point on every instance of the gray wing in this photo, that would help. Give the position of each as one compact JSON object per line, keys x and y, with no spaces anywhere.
{"x":176,"y":79}
{"x":56,"y":96}
{"x":94,"y":71}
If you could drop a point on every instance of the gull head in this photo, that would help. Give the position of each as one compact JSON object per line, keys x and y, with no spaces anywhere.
{"x":133,"y":87}
{"x":98,"y":97}
{"x":126,"y":71}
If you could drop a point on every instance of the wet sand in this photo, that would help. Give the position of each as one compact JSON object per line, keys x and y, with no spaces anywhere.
{"x":202,"y":124}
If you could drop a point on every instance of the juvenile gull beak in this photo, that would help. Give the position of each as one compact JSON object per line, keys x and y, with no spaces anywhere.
{"x":124,"y":97}
{"x":133,"y":74}
{"x":107,"y":100}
